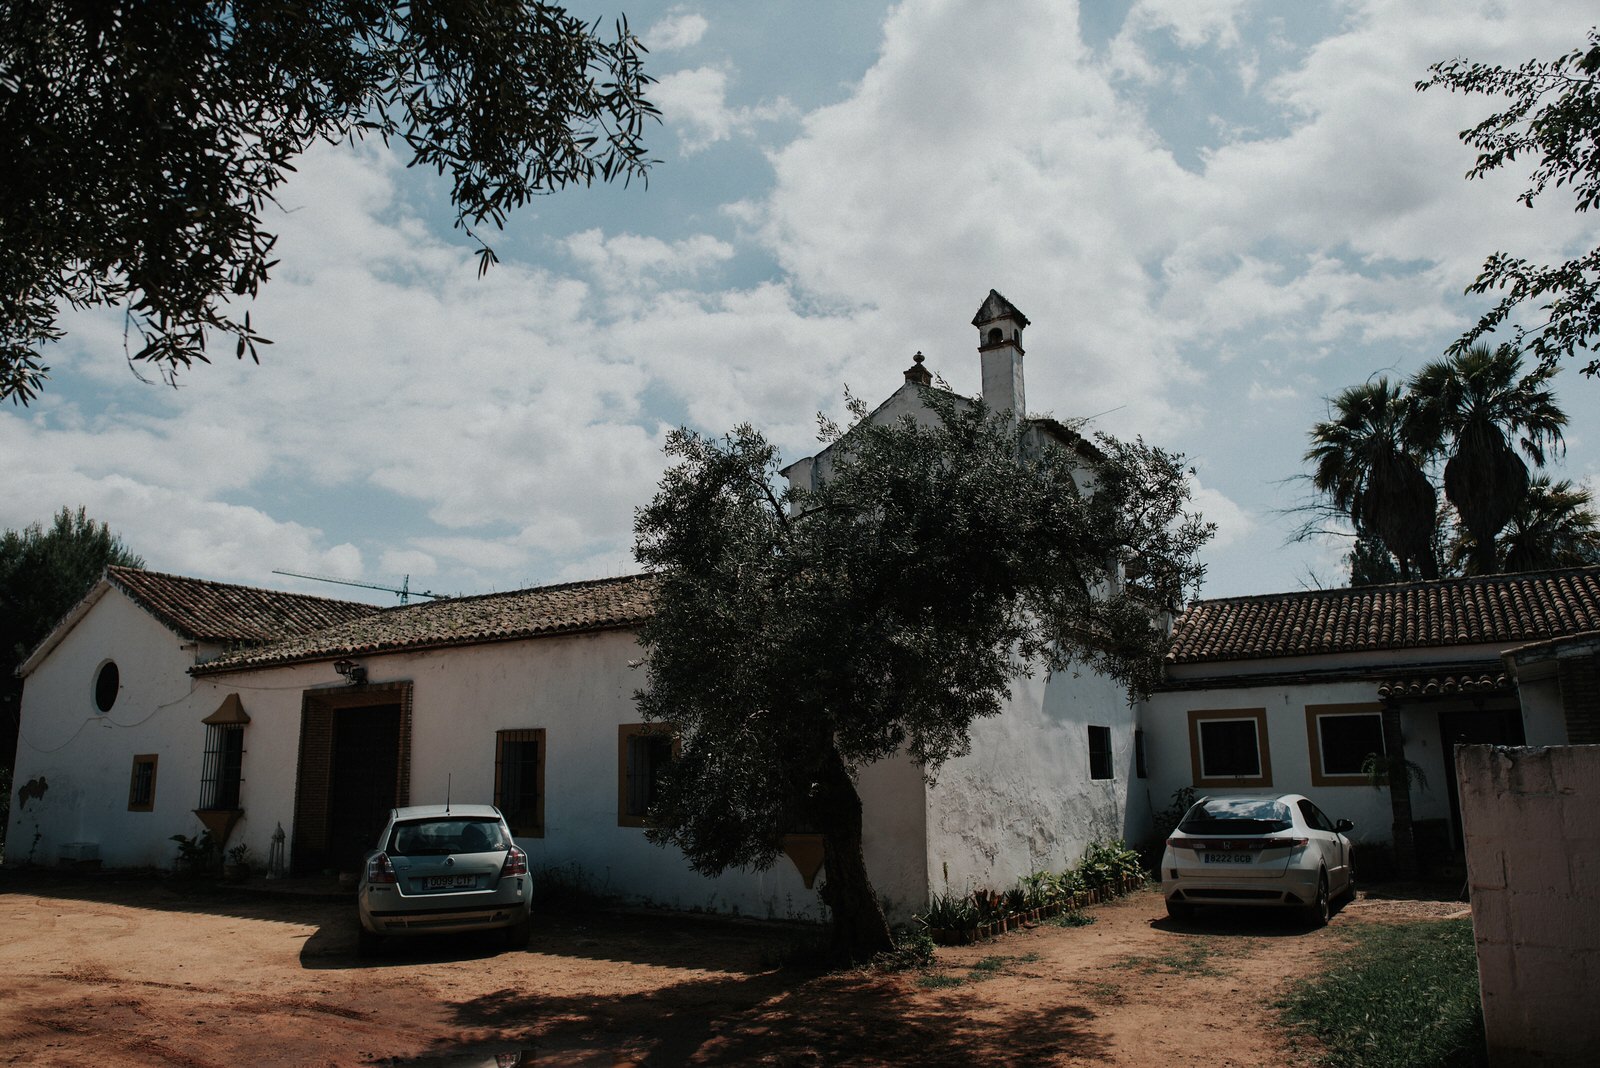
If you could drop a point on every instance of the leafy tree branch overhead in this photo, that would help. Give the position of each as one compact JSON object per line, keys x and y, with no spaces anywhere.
{"x":800,"y":636}
{"x":143,"y":143}
{"x":1552,"y":116}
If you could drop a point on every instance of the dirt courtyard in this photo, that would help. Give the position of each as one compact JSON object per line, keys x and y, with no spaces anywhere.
{"x":137,"y":971}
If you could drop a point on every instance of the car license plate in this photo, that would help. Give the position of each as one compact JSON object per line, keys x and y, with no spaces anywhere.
{"x":450,"y":882}
{"x":1230,"y":858}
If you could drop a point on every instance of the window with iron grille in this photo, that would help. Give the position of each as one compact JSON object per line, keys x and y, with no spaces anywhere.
{"x":644,"y":751}
{"x":519,"y":780}
{"x":223,"y":769}
{"x":1099,"y":752}
{"x":142,"y":784}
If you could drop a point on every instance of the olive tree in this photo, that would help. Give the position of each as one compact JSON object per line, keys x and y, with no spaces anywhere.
{"x":799,"y":635}
{"x":1551,"y":118}
{"x":142,"y":143}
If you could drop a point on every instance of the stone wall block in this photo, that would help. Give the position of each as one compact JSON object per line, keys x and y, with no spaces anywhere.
{"x":1534,"y":865}
{"x":1530,"y":773}
{"x":1491,"y":918}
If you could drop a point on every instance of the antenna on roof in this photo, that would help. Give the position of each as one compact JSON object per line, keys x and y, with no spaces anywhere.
{"x":447,"y":778}
{"x":404,"y":591}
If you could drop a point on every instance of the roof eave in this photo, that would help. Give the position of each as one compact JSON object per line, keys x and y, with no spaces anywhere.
{"x":59,"y":632}
{"x":214,"y":668}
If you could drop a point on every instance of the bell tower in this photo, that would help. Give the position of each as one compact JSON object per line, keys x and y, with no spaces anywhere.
{"x":1000,"y":326}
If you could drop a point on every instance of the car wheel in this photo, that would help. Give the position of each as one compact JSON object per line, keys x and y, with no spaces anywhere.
{"x":367,"y":942}
{"x":1180,"y":910}
{"x":1316,"y":913}
{"x":519,"y":934}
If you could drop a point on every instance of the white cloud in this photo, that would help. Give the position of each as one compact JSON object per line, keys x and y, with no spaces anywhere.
{"x":695,"y":102}
{"x":503,"y":429}
{"x":680,"y":29}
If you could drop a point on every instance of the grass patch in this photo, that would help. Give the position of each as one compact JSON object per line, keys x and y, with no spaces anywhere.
{"x":1076,"y":918}
{"x":985,"y":968}
{"x":1399,"y":996}
{"x":1196,"y":957}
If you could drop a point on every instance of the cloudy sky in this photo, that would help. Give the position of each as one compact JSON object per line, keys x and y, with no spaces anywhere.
{"x":1216,"y":213}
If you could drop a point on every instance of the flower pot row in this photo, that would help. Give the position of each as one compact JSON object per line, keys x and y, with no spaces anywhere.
{"x":961,"y":936}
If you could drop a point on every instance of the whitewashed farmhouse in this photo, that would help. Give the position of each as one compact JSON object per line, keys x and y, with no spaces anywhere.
{"x":163,"y":704}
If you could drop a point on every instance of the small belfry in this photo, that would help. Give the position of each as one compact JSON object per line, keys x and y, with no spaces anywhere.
{"x":1000,"y":327}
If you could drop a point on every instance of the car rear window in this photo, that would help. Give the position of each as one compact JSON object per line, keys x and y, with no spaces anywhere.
{"x":1247,"y":815}
{"x":441,"y":837}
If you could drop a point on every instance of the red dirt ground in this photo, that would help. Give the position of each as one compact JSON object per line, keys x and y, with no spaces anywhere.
{"x":140,"y":971}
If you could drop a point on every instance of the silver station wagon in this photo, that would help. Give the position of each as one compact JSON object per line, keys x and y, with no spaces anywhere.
{"x":444,"y":868}
{"x":1277,"y":851}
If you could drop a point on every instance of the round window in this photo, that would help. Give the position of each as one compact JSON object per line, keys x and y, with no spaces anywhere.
{"x":106,"y":684}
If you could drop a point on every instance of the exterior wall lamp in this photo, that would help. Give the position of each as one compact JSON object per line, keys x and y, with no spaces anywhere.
{"x":356,"y":673}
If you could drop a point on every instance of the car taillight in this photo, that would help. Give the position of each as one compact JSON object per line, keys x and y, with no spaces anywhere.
{"x":1182,"y":843}
{"x":516,"y":863}
{"x":379,"y":870}
{"x":1284,"y":843}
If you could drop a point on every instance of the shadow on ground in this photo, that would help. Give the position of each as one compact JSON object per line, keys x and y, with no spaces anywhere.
{"x":780,"y":1017}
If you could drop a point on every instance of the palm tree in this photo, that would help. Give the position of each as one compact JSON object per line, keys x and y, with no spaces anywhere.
{"x":1554,"y":527}
{"x":1471,"y":405}
{"x":1368,"y":461}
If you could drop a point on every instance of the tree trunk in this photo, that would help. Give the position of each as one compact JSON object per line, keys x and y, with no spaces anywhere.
{"x":860,"y":929}
{"x":1405,"y":841}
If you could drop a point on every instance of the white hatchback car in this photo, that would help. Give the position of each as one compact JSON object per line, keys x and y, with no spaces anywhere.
{"x":443,"y":868}
{"x":1253,"y":850}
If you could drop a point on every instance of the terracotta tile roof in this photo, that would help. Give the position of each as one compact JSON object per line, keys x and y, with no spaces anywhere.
{"x":220,"y":612}
{"x":1445,"y":685}
{"x":1409,"y":615}
{"x":599,"y":604}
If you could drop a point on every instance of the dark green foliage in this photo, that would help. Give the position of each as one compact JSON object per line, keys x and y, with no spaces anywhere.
{"x":1367,"y":461}
{"x":1370,"y":563}
{"x":1106,"y":865}
{"x":933,"y":567}
{"x":1470,"y":407}
{"x":43,"y":573}
{"x":141,"y":143}
{"x":198,"y":856}
{"x":913,"y":949}
{"x":1555,"y":526}
{"x":1458,"y":423}
{"x":1552,"y":116}
{"x":1402,"y":996}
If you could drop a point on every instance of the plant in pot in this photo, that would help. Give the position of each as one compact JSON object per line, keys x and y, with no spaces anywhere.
{"x":238,"y":864}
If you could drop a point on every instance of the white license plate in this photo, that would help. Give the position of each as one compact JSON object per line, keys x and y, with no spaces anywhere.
{"x":450,"y":882}
{"x":1230,"y":858}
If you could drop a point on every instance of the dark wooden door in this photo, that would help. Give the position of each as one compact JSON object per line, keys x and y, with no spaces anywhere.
{"x":366,"y":752}
{"x":1484,"y":726}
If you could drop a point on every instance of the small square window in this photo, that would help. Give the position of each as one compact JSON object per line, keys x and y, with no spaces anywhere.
{"x":1341,"y":738}
{"x":142,"y":784}
{"x":1228,"y":747}
{"x":1099,"y":752}
{"x":643,"y":752}
{"x":519,"y":780}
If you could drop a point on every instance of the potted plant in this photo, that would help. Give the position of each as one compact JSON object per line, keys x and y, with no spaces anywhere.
{"x":237,"y":867}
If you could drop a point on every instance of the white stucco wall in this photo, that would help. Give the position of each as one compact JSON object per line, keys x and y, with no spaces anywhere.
{"x":1022,"y":800}
{"x":1166,"y":724}
{"x":86,"y":756}
{"x":1532,"y":842}
{"x":578,"y":689}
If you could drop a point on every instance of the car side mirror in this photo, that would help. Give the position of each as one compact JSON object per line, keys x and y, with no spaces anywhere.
{"x":1343,"y":825}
